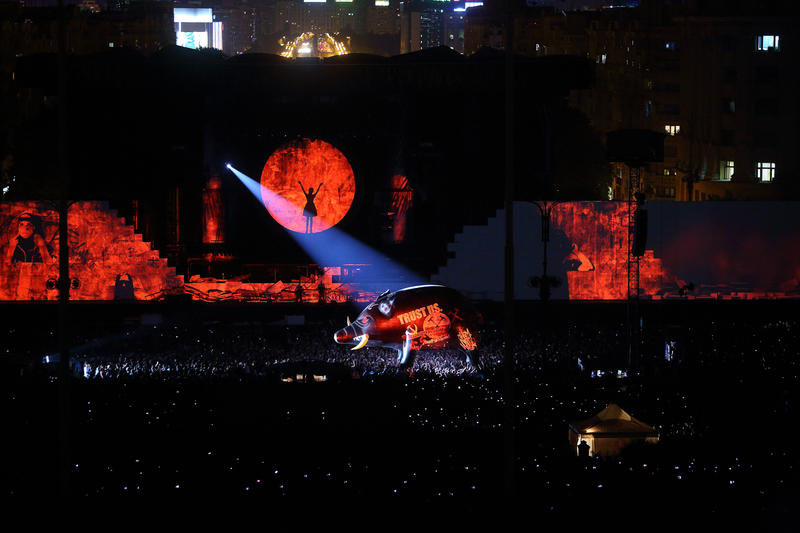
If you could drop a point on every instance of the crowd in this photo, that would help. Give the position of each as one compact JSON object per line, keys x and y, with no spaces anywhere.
{"x":220,"y":351}
{"x":721,"y":395}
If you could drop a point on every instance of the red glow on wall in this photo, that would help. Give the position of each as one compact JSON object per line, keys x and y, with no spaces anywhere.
{"x":107,"y":259}
{"x":402,"y":200}
{"x":312,"y":175}
{"x":213,"y":214}
{"x":599,"y":232}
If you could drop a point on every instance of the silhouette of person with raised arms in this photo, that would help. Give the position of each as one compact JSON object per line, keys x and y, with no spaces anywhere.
{"x":310,"y":210}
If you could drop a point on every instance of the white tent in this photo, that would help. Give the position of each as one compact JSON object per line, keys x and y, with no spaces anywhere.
{"x":609,"y":431}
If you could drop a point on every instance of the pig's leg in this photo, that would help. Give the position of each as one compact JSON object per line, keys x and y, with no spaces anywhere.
{"x":405,"y":355}
{"x":473,"y":358}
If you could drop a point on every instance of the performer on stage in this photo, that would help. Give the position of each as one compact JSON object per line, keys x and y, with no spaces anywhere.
{"x":310,"y":210}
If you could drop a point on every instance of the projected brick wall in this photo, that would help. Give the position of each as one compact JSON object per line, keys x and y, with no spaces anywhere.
{"x":708,"y":250}
{"x":721,"y":250}
{"x":107,"y":259}
{"x":599,"y":230}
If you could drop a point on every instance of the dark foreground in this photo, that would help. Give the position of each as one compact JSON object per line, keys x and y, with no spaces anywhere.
{"x":178,"y":411}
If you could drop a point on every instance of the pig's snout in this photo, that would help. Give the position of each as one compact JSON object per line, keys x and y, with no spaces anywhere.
{"x":345,"y":335}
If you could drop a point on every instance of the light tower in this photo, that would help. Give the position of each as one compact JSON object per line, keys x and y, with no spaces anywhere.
{"x":635,"y":148}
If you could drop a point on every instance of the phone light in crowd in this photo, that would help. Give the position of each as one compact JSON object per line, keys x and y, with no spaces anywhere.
{"x":333,"y":247}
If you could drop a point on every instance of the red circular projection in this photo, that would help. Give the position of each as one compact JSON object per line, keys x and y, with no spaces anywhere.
{"x":326,"y":185}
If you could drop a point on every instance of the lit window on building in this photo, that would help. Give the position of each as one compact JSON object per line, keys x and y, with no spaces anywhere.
{"x":728,"y":105}
{"x":765,"y":170}
{"x":669,"y":172}
{"x":767,"y":43}
{"x":672,"y":129}
{"x":725,"y":170}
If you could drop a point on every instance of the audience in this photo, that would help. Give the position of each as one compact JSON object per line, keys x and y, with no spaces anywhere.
{"x":721,"y":395}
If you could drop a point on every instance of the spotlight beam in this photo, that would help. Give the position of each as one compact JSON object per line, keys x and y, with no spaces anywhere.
{"x":333,"y":247}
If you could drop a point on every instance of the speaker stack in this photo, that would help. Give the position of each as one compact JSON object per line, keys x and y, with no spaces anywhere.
{"x":640,"y":232}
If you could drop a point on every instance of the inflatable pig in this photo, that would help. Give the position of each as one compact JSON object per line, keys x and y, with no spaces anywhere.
{"x":425,"y":317}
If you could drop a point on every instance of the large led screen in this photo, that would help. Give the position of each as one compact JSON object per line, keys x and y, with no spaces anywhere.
{"x":188,"y":14}
{"x":192,"y":39}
